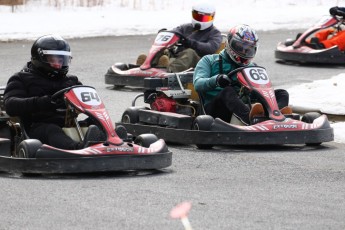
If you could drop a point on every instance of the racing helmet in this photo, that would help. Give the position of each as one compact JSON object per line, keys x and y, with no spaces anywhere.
{"x":51,"y":55}
{"x":241,"y":44}
{"x":202,"y":16}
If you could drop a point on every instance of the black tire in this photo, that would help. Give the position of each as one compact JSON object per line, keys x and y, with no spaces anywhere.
{"x":203,"y":122}
{"x":28,"y":148}
{"x":145,"y":140}
{"x":309,"y":118}
{"x":119,"y":86}
{"x":289,"y":42}
{"x":131,"y":115}
{"x":121,"y":66}
{"x":121,"y":131}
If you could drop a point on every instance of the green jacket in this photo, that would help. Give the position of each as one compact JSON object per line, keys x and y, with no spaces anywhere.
{"x":206,"y":72}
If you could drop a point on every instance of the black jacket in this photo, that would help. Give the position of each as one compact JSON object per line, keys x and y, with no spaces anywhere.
{"x":202,"y":41}
{"x":25,"y":87}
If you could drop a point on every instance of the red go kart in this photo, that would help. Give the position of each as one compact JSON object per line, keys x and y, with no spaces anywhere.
{"x":296,"y":50}
{"x":112,"y":151}
{"x":121,"y":74}
{"x":176,"y":117}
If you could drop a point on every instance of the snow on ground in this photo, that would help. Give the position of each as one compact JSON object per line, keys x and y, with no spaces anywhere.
{"x":136,"y":17}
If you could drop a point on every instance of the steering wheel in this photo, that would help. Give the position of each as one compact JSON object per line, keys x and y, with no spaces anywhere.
{"x":340,"y":13}
{"x":235,"y":71}
{"x":59,"y":94}
{"x":181,"y":36}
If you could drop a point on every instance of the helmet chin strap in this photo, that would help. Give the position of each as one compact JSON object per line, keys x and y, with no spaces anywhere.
{"x":197,"y":26}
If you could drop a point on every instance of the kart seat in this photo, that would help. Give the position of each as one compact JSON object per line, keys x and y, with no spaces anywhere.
{"x":73,"y":133}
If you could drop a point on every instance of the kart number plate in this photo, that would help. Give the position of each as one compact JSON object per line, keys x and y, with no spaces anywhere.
{"x":256,"y":75}
{"x":87,"y":96}
{"x":163,"y":37}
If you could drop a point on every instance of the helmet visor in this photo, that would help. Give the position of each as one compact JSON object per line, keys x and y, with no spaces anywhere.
{"x":56,"y":58}
{"x":243,"y":48}
{"x":202,"y":17}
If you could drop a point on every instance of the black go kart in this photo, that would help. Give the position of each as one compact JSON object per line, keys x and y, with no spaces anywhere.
{"x":296,"y":50}
{"x":177,"y":115}
{"x":114,"y":150}
{"x":122,"y":74}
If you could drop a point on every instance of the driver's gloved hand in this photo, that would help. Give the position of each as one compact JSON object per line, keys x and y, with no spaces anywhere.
{"x":333,"y":10}
{"x":187,"y":43}
{"x":223,"y":80}
{"x":44,"y":103}
{"x":59,"y":103}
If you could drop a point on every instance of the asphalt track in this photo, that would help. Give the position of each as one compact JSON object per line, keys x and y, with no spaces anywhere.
{"x":258,"y":187}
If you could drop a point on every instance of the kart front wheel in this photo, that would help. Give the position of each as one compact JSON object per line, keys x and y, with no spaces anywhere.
{"x":309,"y":118}
{"x":203,"y":122}
{"x":121,"y":131}
{"x":146,"y":140}
{"x":28,"y":148}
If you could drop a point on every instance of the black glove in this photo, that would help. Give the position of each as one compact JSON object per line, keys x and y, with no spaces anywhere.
{"x":223,"y":80}
{"x":187,"y":43}
{"x":333,"y":11}
{"x":44,"y":103}
{"x":59,"y":103}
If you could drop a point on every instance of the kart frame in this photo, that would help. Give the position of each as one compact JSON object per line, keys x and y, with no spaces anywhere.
{"x":50,"y":160}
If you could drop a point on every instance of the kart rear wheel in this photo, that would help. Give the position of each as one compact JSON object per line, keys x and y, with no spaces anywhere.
{"x":309,"y":118}
{"x":145,"y":140}
{"x":131,"y":115}
{"x":203,"y":122}
{"x":28,"y":148}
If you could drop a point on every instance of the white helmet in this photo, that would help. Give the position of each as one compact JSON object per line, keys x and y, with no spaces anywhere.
{"x":203,"y":15}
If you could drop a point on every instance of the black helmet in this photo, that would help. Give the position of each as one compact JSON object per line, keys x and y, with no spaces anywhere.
{"x":51,"y":55}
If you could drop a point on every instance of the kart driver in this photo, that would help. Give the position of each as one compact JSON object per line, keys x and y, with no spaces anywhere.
{"x":28,"y":92}
{"x":201,"y":38}
{"x":329,"y":37}
{"x":221,"y":94}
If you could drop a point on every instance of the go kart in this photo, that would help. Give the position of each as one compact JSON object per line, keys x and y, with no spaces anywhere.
{"x":179,"y":118}
{"x":121,"y":74}
{"x":296,"y":50}
{"x":111,"y":151}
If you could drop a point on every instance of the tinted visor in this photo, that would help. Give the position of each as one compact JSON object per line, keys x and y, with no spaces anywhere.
{"x":202,"y":17}
{"x":56,"y":58}
{"x":243,"y":48}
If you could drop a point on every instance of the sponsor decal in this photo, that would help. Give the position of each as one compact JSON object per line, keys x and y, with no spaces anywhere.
{"x":120,"y":149}
{"x":286,"y":126}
